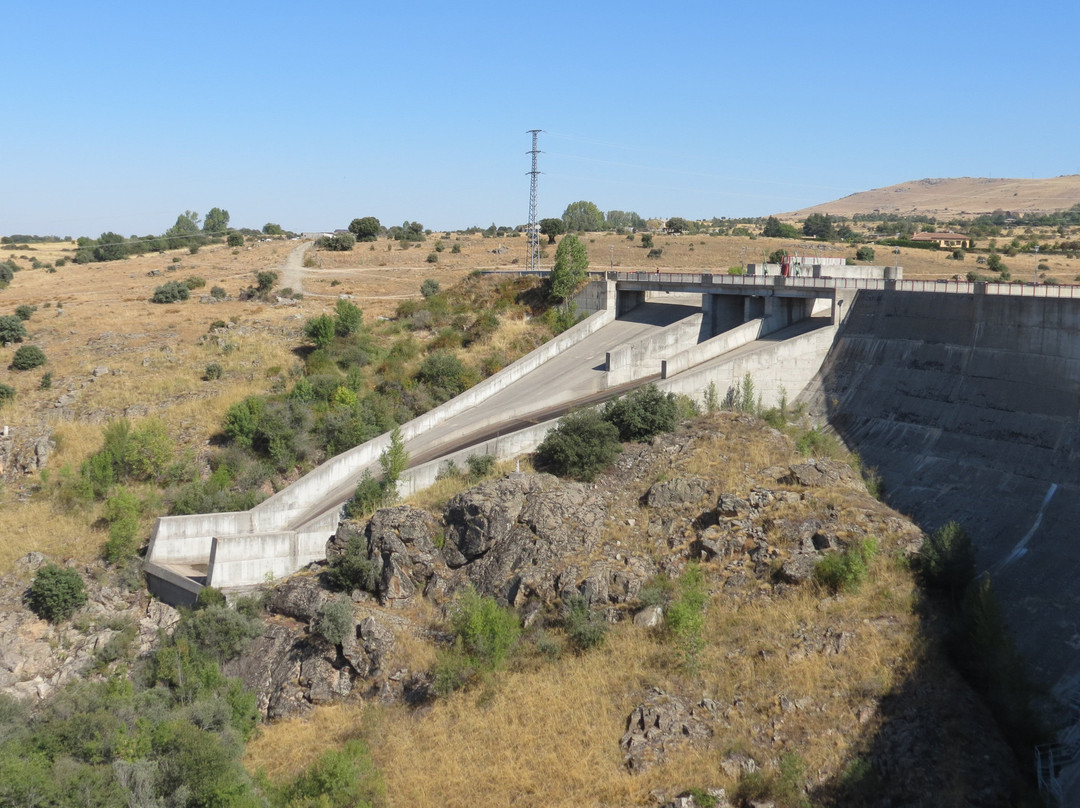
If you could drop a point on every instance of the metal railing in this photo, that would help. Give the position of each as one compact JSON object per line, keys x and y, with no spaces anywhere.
{"x":953,"y":287}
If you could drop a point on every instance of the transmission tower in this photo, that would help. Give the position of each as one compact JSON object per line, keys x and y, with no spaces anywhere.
{"x":533,"y":261}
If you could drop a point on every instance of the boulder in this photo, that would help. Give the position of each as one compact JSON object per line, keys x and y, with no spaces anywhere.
{"x":677,"y":492}
{"x":401,"y":546}
{"x":659,"y":725}
{"x":820,"y":473}
{"x":512,"y":537}
{"x":299,"y":597}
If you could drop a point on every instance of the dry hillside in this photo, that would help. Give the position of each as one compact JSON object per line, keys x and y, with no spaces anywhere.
{"x":957,"y":196}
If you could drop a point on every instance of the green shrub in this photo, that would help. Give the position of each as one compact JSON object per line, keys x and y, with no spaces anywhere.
{"x":217,"y":292}
{"x":220,"y":632}
{"x":845,"y":571}
{"x":122,"y":511}
{"x":194,"y":248}
{"x":646,"y":240}
{"x":685,"y":618}
{"x":25,"y":312}
{"x":946,"y":560}
{"x":214,"y":371}
{"x":46,"y":381}
{"x":351,"y":569}
{"x":783,"y":788}
{"x":581,"y":446}
{"x":456,"y":249}
{"x":643,"y":413}
{"x":432,"y":258}
{"x":28,"y":357}
{"x":349,"y":318}
{"x":429,"y":288}
{"x":11,"y":329}
{"x":487,"y":631}
{"x":56,"y":593}
{"x":210,"y":596}
{"x":864,"y":254}
{"x":480,"y":466}
{"x":171,"y":292}
{"x":584,"y":627}
{"x":345,"y":777}
{"x":335,"y":620}
{"x":816,"y":442}
{"x":320,"y":330}
{"x":444,"y":374}
{"x":655,"y":252}
{"x":195,"y":282}
{"x":339,"y":242}
{"x":235,"y":240}
{"x":7,"y":393}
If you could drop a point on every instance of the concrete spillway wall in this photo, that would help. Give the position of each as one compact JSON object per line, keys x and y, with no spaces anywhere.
{"x":968,"y":405}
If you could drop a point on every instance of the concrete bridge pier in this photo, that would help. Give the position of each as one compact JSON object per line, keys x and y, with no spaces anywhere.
{"x":723,"y":312}
{"x":627,"y":300}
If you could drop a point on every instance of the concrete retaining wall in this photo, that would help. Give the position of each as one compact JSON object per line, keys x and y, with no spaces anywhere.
{"x":644,"y":357}
{"x":787,"y":367}
{"x":275,"y":512}
{"x":710,"y":349}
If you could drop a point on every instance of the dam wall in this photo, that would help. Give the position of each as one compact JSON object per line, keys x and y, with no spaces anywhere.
{"x":969,"y":407}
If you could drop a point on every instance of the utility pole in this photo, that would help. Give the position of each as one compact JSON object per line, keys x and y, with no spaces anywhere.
{"x":1036,"y":278}
{"x":532,"y":263}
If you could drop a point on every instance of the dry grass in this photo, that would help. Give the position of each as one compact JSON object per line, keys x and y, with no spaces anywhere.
{"x":547,"y":734}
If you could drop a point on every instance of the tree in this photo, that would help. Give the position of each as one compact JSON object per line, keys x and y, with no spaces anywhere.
{"x":349,"y":318}
{"x":365,"y":229}
{"x":643,"y":413}
{"x":56,"y":593}
{"x":772,"y":228}
{"x":271,"y":229}
{"x":264,"y":282}
{"x":777,"y":256}
{"x":429,"y":288}
{"x":216,"y":222}
{"x":11,"y":329}
{"x":620,"y":219}
{"x":581,"y":446}
{"x":646,"y":240}
{"x":570,"y":270}
{"x":819,"y":226}
{"x":552,"y":228}
{"x":864,"y":254}
{"x":677,"y":224}
{"x":185,"y":233}
{"x":235,"y":240}
{"x":320,"y":330}
{"x":27,"y":357}
{"x":110,"y":247}
{"x":583,"y":216}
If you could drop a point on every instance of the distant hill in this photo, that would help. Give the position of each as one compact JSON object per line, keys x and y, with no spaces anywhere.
{"x":960,"y":196}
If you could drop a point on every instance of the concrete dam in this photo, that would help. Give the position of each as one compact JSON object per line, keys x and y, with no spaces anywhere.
{"x":969,"y":407}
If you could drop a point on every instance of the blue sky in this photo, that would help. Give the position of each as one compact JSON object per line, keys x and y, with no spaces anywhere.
{"x":120,"y":115}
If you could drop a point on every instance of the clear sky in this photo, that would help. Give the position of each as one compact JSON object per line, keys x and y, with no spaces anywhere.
{"x":121,"y":115}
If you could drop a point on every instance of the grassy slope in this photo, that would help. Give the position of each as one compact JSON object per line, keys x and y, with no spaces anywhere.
{"x":547,"y":733}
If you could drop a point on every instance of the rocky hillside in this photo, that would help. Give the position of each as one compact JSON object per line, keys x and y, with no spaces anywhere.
{"x":956,"y":197}
{"x":800,"y":689}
